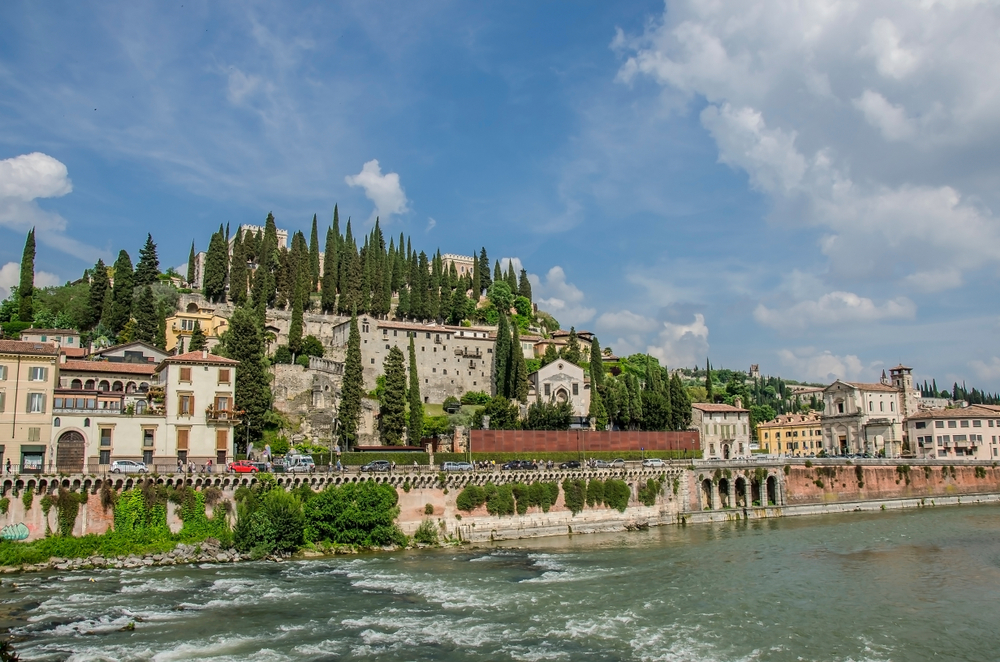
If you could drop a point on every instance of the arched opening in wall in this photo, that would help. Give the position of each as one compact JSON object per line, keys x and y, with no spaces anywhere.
{"x":725,"y":451}
{"x":724,"y":492}
{"x":741,"y":493}
{"x":76,"y":384}
{"x":89,"y":385}
{"x":562,"y":395}
{"x":69,"y":451}
{"x":772,"y":491}
{"x":755,"y":492}
{"x":130,"y":387}
{"x":706,"y":494}
{"x":117,"y":387}
{"x":192,"y":307}
{"x":104,"y":386}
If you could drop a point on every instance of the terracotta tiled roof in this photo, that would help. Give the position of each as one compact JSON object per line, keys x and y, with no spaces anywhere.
{"x":59,"y":332}
{"x":108,"y":367}
{"x":26,"y":347}
{"x":785,"y":420}
{"x":74,"y":352}
{"x":877,"y":386}
{"x":972,"y":411}
{"x":199,"y":357}
{"x":708,"y":406}
{"x":129,"y":344}
{"x":412,"y":326}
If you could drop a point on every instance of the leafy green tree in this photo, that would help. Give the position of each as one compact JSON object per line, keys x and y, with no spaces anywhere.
{"x":190,"y":266}
{"x":416,"y":425}
{"x":500,"y":296}
{"x":352,"y":389}
{"x":362,"y":514}
{"x":26,"y":286}
{"x":311,"y":346}
{"x":461,"y":306}
{"x":524,"y":285}
{"x":760,"y":414}
{"x":198,"y":340}
{"x":99,"y":286}
{"x":551,"y":354}
{"x":550,"y":415}
{"x":503,"y":414}
{"x":392,"y":403}
{"x":147,"y":270}
{"x":571,"y":352}
{"x":146,"y":319}
{"x":245,"y":343}
{"x":121,"y":303}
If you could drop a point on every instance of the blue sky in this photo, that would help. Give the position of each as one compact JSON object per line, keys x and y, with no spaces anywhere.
{"x":805,"y":185}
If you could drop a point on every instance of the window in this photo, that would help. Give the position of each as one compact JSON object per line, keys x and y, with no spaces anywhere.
{"x":576,"y":389}
{"x":56,"y":422}
{"x":921,"y":425}
{"x":964,"y":424}
{"x":960,"y":437}
{"x":147,"y":438}
{"x":952,"y":424}
{"x":221,"y":440}
{"x":34,"y":434}
{"x":881,"y":406}
{"x":387,"y":347}
{"x":871,"y":406}
{"x":105,"y":437}
{"x":428,"y":336}
{"x":36,"y":403}
{"x":892,"y":406}
{"x":3,"y":373}
{"x":373,"y":361}
{"x":548,"y":390}
{"x":840,"y":407}
{"x":186,"y":375}
{"x":182,"y":439}
{"x":222,"y":403}
{"x":104,"y":457}
{"x":185,"y":405}
{"x":147,"y":457}
{"x":223,"y":375}
{"x":3,"y":401}
{"x":38,"y":374}
{"x":939,"y":424}
{"x":86,"y":422}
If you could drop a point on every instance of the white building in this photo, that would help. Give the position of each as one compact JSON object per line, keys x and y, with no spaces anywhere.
{"x":561,"y":381}
{"x":724,"y":430}
{"x":966,"y":432}
{"x":868,"y":418}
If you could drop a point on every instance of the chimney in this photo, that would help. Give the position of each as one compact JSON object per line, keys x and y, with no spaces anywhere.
{"x":204,"y":353}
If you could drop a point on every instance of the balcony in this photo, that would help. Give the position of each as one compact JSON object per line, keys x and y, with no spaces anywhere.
{"x":223,"y":416}
{"x":468,"y":353}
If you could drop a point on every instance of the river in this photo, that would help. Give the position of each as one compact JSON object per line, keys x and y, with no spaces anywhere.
{"x":913,"y":585}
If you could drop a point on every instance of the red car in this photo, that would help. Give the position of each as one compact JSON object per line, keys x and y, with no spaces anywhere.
{"x":242,"y":467}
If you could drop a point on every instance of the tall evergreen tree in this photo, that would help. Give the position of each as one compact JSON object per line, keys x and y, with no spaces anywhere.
{"x":26,"y":286}
{"x":512,"y":277}
{"x":245,"y":343}
{"x":238,"y":271}
{"x":518,"y":373}
{"x":198,"y":340}
{"x":484,"y":273}
{"x":415,"y":429}
{"x":502,"y":358}
{"x":146,"y":321}
{"x":460,"y":306}
{"x":190,"y":266}
{"x":148,"y":268}
{"x":550,"y":355}
{"x":596,"y":365}
{"x":352,"y":389}
{"x":121,"y":302}
{"x":710,"y":396}
{"x":634,"y":402}
{"x":314,"y":255}
{"x":161,"y":332}
{"x":98,"y":289}
{"x":497,"y":272}
{"x":295,"y":327}
{"x":680,"y":404}
{"x":571,"y":352}
{"x":524,"y":286}
{"x":392,"y":403}
{"x":597,"y":411}
{"x":477,"y":278}
{"x":214,"y":286}
{"x":328,"y":300}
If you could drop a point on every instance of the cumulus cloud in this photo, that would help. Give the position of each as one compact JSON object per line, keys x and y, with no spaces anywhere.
{"x":850,"y":117}
{"x":504,"y":261}
{"x":808,"y":364}
{"x":625,"y":321}
{"x":681,"y":344}
{"x":564,"y":300}
{"x":383,"y":190}
{"x":10,"y":275}
{"x":431,"y":224}
{"x":23,"y":180}
{"x":987,"y":370}
{"x":834,"y":308}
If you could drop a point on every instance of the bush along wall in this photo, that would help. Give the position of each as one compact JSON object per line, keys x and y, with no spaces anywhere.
{"x":508,"y":499}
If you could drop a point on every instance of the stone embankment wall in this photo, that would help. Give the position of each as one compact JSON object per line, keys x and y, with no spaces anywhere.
{"x":825,"y":484}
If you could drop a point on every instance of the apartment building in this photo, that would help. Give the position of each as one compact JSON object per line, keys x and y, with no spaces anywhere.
{"x":966,"y":432}
{"x":794,"y":435}
{"x":724,"y":430}
{"x":28,"y":375}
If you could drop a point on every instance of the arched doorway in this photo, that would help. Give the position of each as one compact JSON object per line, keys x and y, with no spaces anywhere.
{"x":706,"y":494}
{"x":724,"y":492}
{"x":755,"y":492}
{"x":69,"y":451}
{"x":772,"y":491}
{"x":725,"y":451}
{"x":741,"y":492}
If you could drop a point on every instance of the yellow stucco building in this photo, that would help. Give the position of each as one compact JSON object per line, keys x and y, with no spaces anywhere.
{"x":181,"y":326}
{"x":796,"y":435}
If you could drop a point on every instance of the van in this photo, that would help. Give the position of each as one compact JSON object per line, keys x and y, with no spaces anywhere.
{"x":299,"y":464}
{"x":456,"y":466}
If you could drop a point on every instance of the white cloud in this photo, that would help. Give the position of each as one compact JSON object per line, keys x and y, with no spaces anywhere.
{"x":431,"y":223}
{"x":23,"y":180}
{"x":987,"y":370}
{"x":241,"y":85}
{"x":808,"y":364}
{"x":504,"y":261}
{"x":869,"y":120}
{"x":562,"y":299}
{"x":681,"y":344}
{"x":625,"y":321}
{"x":834,"y":308}
{"x":383,"y":190}
{"x":10,"y":275}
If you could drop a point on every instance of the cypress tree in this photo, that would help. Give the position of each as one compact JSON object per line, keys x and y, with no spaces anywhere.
{"x":98,"y":290}
{"x":634,"y":402}
{"x":484,"y":273}
{"x":512,"y":278}
{"x":214,"y":286}
{"x":238,"y":271}
{"x":198,"y":341}
{"x":392,"y":403}
{"x":596,"y":365}
{"x":148,"y":267}
{"x":146,"y":321}
{"x":328,"y":296}
{"x":270,"y":260}
{"x":597,"y":412}
{"x":502,"y":359}
{"x":572,"y":351}
{"x":524,"y":286}
{"x":680,"y":404}
{"x":460,"y":306}
{"x":550,"y":355}
{"x":26,"y":286}
{"x":245,"y":343}
{"x":314,"y":255}
{"x":161,"y":331}
{"x":121,"y":301}
{"x":352,"y":389}
{"x":303,"y":285}
{"x":519,"y":369}
{"x":295,"y":328}
{"x":708,"y":382}
{"x":497,"y":273}
{"x":415,"y":430}
{"x":476,"y":278}
{"x":190,"y":267}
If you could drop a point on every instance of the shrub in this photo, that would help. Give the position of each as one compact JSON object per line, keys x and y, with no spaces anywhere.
{"x":575,"y":491}
{"x":26,"y":497}
{"x":302,"y":360}
{"x":521,"y":497}
{"x":428,"y":509}
{"x":68,"y":505}
{"x":859,"y":473}
{"x":406,"y":486}
{"x":426,"y":533}
{"x":274,"y":523}
{"x":212,"y":496}
{"x":808,"y":463}
{"x":355,"y":514}
{"x":4,"y":505}
{"x":451,"y":404}
{"x":980,"y":472}
{"x":903,"y":470}
{"x":475,"y":398}
{"x":499,"y":500}
{"x":616,"y":494}
{"x":788,"y":469}
{"x":647,"y":493}
{"x":595,"y":492}
{"x":282,"y":355}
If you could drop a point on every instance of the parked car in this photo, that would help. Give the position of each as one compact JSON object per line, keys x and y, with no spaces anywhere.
{"x":570,"y":464}
{"x":299,"y":464}
{"x":261,"y":466}
{"x":520,"y":464}
{"x":617,"y":463}
{"x":377,"y":465}
{"x":243,"y":467}
{"x":128,"y":467}
{"x":457,"y":466}
{"x":653,"y":462}
{"x":600,"y":464}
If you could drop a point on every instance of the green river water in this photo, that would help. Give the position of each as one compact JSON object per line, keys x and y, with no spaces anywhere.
{"x":914,"y":585}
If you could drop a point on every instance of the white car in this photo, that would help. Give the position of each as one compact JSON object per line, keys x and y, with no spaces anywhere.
{"x":653,"y":462}
{"x":128,"y":467}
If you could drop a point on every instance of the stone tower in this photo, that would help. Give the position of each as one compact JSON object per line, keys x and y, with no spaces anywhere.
{"x":902,"y":380}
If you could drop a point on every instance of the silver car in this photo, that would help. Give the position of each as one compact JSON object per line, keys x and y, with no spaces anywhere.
{"x":128,"y":467}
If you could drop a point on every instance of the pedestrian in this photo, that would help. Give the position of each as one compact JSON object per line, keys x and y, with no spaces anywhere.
{"x":340,"y":468}
{"x":209,"y":467}
{"x":8,"y":466}
{"x":180,"y":466}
